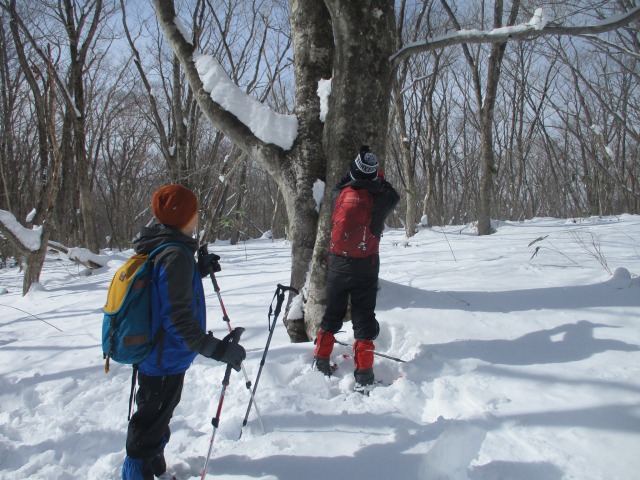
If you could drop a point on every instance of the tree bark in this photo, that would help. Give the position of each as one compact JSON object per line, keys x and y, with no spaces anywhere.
{"x":489,"y":168}
{"x":296,"y":170}
{"x":78,"y":55}
{"x":237,"y":219}
{"x":364,"y":33}
{"x":44,"y":117}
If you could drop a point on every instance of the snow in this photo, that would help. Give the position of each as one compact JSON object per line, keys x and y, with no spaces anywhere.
{"x":539,"y":19}
{"x":267,"y":125}
{"x":31,"y":215}
{"x":30,"y":239}
{"x":517,"y":366}
{"x":84,"y":255}
{"x":537,"y":22}
{"x":324,"y":91}
{"x":609,"y":151}
{"x":318,"y":193}
{"x":183,"y":30}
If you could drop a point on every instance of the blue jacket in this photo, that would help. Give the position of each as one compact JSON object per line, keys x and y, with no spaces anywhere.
{"x":178,"y":305}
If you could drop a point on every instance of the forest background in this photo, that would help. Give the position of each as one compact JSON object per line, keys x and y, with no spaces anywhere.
{"x":96,"y":112}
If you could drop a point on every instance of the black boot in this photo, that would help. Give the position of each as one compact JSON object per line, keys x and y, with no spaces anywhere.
{"x":322,"y":365}
{"x":364,"y":379}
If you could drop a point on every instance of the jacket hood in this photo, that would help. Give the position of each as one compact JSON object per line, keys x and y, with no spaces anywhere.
{"x":150,"y":238}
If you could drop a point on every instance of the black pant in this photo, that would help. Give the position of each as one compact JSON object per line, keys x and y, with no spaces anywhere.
{"x":356,"y":278}
{"x":156,"y":399}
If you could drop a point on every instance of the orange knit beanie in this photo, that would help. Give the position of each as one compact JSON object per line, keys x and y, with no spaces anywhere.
{"x":174,"y":205}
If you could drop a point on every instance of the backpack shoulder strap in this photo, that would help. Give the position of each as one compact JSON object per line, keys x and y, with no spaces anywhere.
{"x":157,"y":250}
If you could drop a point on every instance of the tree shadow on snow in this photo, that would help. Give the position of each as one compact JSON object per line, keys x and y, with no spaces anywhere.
{"x":379,"y":460}
{"x":566,"y":343}
{"x":607,"y":294}
{"x":516,"y":471}
{"x":452,"y":446}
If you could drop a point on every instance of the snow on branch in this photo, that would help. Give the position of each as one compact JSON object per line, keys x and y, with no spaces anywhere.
{"x":266,"y":124}
{"x":27,"y":240}
{"x":81,"y":256}
{"x":183,"y":30}
{"x":536,"y":27}
{"x":23,"y":238}
{"x":248,"y":123}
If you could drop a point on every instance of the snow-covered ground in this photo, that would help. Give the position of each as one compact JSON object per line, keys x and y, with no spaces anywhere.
{"x":518,"y":366}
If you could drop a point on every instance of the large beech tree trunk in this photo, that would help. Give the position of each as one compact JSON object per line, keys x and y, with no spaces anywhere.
{"x":364,"y":33}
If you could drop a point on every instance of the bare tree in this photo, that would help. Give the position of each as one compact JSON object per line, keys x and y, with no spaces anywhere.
{"x":126,"y":173}
{"x":75,"y":18}
{"x":194,"y":155}
{"x":530,"y":131}
{"x":345,"y":41}
{"x":42,"y":91}
{"x":399,"y":118}
{"x":81,"y":25}
{"x":486,"y":97}
{"x":11,"y":84}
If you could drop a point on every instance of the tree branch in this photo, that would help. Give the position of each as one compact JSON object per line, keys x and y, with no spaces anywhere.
{"x":238,"y":132}
{"x":21,"y":238}
{"x":519,"y":32}
{"x":147,"y":85}
{"x":80,"y":256}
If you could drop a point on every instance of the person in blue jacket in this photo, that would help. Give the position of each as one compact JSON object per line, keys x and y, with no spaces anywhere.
{"x":179,"y":329}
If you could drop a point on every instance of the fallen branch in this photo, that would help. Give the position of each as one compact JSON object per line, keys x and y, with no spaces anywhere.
{"x":80,"y":256}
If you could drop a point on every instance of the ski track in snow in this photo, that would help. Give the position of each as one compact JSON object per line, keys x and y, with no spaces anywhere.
{"x":518,"y":367}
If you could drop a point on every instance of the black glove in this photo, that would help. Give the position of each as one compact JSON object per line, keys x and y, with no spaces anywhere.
{"x":224,"y":350}
{"x":207,"y":262}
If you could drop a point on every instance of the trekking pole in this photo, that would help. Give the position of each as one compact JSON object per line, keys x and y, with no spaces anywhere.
{"x":280,"y":291}
{"x":215,"y":421}
{"x":376,"y":353}
{"x":225,"y":318}
{"x":448,"y":243}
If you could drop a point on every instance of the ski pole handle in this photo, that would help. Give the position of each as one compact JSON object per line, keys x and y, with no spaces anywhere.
{"x":286,"y":289}
{"x":280,"y":291}
{"x":236,"y":333}
{"x":207,"y":263}
{"x":235,"y":338}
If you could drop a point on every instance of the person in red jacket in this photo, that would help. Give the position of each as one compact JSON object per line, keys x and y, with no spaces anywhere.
{"x":362,"y":200}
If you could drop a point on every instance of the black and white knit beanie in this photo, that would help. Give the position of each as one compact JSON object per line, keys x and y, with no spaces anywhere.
{"x":365,"y":165}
